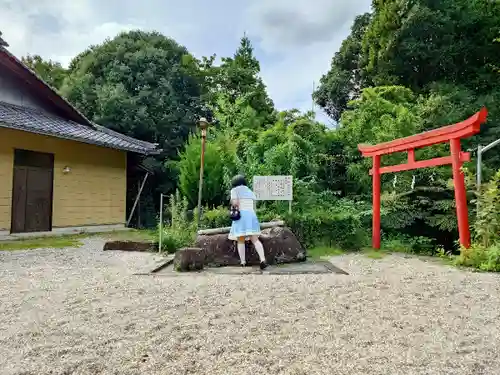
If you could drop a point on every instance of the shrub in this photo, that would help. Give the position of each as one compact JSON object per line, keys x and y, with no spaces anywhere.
{"x":180,"y":231}
{"x":189,"y":172}
{"x":484,"y":253}
{"x":219,"y":217}
{"x":328,"y":228}
{"x":492,"y":259}
{"x":216,"y":218}
{"x":487,"y":224}
{"x":174,"y":239}
{"x":480,"y":257}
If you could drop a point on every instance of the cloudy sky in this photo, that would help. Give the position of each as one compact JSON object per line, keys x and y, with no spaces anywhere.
{"x":293,"y":39}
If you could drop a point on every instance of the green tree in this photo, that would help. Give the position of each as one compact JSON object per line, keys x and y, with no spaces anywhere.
{"x":283,"y":149}
{"x":295,"y":145}
{"x":497,"y":66}
{"x":214,"y":192}
{"x":140,"y":84}
{"x":344,"y":80}
{"x":50,"y":71}
{"x":237,"y":80}
{"x":417,"y":42}
{"x":237,"y":115}
{"x":448,"y":104}
{"x":145,"y":85}
{"x":380,"y":114}
{"x":333,"y":162}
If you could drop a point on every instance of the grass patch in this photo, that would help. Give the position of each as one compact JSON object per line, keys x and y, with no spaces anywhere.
{"x":75,"y":240}
{"x":42,"y":242}
{"x":324,"y":251}
{"x":374,"y":254}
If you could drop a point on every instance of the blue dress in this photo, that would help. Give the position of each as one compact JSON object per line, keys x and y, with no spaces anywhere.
{"x":248,"y":225}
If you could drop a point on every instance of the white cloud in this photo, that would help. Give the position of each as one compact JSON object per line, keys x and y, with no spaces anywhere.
{"x":291,"y":78}
{"x":56,"y":30}
{"x":283,"y":25}
{"x":76,"y":42}
{"x":302,"y":39}
{"x":294,"y":39}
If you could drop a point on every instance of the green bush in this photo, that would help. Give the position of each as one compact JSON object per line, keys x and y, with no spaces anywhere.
{"x":484,"y":252}
{"x":174,"y":239}
{"x":219,"y":217}
{"x":487,"y":224}
{"x":216,"y":218}
{"x":189,"y":172}
{"x":328,"y":228}
{"x":180,"y":231}
{"x":480,"y":257}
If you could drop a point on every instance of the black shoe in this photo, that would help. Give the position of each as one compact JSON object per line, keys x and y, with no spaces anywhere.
{"x":263,"y":265}
{"x":243,"y":265}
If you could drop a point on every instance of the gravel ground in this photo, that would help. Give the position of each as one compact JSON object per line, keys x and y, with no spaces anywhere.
{"x":81,"y":311}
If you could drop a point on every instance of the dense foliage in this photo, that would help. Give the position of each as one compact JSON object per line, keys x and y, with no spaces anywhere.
{"x":406,"y":67}
{"x":412,"y":66}
{"x":484,"y":253}
{"x":344,"y":80}
{"x":144,"y":85}
{"x":50,"y":71}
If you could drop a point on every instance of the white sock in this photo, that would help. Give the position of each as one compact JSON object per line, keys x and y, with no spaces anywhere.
{"x":241,"y":252}
{"x":260,"y":250}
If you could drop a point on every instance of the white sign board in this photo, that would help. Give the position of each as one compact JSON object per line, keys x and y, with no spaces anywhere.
{"x":273,"y":188}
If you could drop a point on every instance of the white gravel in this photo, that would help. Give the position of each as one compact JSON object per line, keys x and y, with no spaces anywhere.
{"x":81,"y":311}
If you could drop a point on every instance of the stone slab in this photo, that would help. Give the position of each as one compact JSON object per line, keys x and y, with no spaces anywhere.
{"x":308,"y":267}
{"x":157,"y":263}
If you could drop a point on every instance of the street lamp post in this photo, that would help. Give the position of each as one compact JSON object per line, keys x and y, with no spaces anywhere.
{"x":203,"y":125}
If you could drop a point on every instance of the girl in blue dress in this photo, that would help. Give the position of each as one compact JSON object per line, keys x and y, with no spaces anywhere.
{"x":247,"y":227}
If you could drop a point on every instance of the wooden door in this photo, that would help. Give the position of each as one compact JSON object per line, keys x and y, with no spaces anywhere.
{"x":32,"y":191}
{"x":19,"y":199}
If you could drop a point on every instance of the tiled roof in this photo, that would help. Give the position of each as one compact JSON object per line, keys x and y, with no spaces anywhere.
{"x":39,"y":87}
{"x":39,"y":122}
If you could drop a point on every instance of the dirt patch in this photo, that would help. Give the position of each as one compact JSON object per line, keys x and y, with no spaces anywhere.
{"x":130,"y":246}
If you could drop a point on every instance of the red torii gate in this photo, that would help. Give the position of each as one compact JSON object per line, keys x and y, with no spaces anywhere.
{"x":452,"y":134}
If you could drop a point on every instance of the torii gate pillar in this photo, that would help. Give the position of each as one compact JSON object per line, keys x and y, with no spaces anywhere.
{"x":376,"y":202}
{"x":460,"y":193}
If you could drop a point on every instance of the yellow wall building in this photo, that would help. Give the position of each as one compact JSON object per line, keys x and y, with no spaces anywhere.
{"x":57,"y":169}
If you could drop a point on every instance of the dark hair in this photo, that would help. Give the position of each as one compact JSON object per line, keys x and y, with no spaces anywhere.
{"x":238,"y":180}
